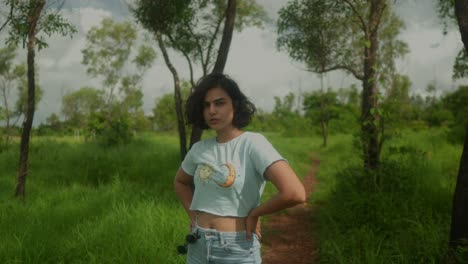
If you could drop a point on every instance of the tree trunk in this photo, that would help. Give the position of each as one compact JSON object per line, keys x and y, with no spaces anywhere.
{"x":7,"y":117}
{"x":223,"y":50}
{"x":459,"y":226}
{"x":323,"y":122}
{"x":177,"y":98}
{"x":221,"y":60}
{"x":27,"y":124}
{"x":369,"y":114}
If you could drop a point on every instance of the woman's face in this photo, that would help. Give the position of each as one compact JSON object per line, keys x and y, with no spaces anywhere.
{"x":218,"y":109}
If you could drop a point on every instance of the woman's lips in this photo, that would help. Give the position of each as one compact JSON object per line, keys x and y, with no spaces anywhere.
{"x":214,"y":120}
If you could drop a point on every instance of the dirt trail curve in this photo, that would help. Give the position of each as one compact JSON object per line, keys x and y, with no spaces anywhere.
{"x":287,"y":236}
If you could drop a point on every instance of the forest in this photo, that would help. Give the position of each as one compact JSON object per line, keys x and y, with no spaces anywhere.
{"x":93,"y":182}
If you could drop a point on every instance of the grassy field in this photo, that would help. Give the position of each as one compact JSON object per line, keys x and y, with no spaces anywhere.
{"x":401,"y":214}
{"x":88,"y":204}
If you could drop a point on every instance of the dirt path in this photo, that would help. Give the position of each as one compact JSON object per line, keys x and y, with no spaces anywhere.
{"x":287,"y":236}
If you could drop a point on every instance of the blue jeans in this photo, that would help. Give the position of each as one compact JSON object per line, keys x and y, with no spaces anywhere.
{"x":215,"y":247}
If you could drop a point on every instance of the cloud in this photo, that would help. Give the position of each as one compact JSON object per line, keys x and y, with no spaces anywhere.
{"x":261,"y":71}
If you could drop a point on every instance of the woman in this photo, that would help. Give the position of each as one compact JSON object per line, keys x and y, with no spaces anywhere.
{"x":229,"y":173}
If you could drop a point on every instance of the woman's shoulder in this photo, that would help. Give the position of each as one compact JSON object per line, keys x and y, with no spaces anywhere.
{"x":255,"y":135}
{"x":255,"y":138}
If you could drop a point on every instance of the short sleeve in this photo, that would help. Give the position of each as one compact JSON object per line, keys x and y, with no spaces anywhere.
{"x":188,"y":164}
{"x":263,"y":154}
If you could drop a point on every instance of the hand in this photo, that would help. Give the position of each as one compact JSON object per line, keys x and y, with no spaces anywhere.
{"x":252,"y":225}
{"x":193,"y":220}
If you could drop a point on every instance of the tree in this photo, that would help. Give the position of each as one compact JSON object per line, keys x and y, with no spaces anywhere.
{"x":163,"y":111}
{"x":78,"y":106}
{"x":108,"y":54}
{"x":7,"y":17}
{"x":27,"y":20}
{"x":350,"y":36}
{"x":9,"y":77}
{"x":459,"y":228}
{"x":455,"y":103}
{"x":194,"y":34}
{"x":53,"y":121}
{"x":321,"y":108}
{"x":396,"y":102}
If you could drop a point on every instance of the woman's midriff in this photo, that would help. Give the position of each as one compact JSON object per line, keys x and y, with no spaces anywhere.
{"x":221,"y":223}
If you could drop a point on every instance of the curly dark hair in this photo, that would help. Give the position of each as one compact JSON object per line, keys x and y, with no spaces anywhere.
{"x":243,"y":108}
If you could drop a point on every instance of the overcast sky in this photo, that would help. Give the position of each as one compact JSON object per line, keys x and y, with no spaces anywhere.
{"x":261,"y":71}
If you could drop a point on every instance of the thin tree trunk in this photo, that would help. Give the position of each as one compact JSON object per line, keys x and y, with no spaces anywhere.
{"x":27,"y":124}
{"x":323,"y":123}
{"x":7,"y":115}
{"x":177,"y":98}
{"x":221,"y":59}
{"x":223,"y":50}
{"x":459,"y":226}
{"x":369,"y":114}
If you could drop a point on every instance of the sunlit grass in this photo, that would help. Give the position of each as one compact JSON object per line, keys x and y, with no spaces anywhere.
{"x":89,"y":204}
{"x":403,"y":219}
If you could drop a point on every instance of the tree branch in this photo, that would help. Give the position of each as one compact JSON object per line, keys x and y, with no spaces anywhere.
{"x":197,"y":42}
{"x":361,"y":19}
{"x":342,"y":67}
{"x":189,"y":61}
{"x":8,"y":18}
{"x":212,"y":40}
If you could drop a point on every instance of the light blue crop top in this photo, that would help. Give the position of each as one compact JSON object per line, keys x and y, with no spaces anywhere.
{"x":229,"y":177}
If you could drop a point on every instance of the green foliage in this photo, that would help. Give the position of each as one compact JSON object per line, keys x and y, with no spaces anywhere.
{"x":110,"y":129}
{"x":455,"y":103}
{"x":327,"y":35}
{"x":10,"y":77}
{"x":446,"y":12}
{"x":160,"y":15}
{"x":107,"y":53}
{"x":188,"y":29}
{"x":77,"y":106}
{"x":398,"y":214}
{"x":164,"y":111}
{"x":321,"y":106}
{"x":460,"y":67}
{"x":50,"y":22}
{"x":108,"y":49}
{"x":310,"y":30}
{"x":396,"y":104}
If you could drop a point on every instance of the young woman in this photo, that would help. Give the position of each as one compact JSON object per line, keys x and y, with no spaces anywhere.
{"x":221,"y":179}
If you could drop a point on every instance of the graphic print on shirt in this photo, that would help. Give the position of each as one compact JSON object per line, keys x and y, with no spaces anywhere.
{"x":219,"y":175}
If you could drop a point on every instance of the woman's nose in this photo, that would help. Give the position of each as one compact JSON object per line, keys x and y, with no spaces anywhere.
{"x":212,"y":109}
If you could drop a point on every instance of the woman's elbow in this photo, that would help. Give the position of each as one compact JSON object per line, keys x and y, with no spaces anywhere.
{"x":301,"y":195}
{"x":296,"y":197}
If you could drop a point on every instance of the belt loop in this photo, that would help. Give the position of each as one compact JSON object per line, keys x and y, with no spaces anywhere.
{"x":221,"y":237}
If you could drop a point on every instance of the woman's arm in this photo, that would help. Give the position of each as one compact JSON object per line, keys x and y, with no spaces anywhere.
{"x":290,"y":193}
{"x":183,"y":186}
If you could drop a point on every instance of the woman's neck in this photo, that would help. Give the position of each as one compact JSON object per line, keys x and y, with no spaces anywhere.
{"x":225,"y":136}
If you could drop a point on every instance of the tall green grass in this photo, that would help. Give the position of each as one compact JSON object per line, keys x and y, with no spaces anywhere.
{"x":400,"y":214}
{"x":89,"y":204}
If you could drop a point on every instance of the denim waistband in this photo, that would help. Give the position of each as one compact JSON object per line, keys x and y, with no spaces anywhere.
{"x":222,"y":236}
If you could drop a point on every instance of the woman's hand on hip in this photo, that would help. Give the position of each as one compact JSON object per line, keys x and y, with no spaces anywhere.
{"x":252,"y":225}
